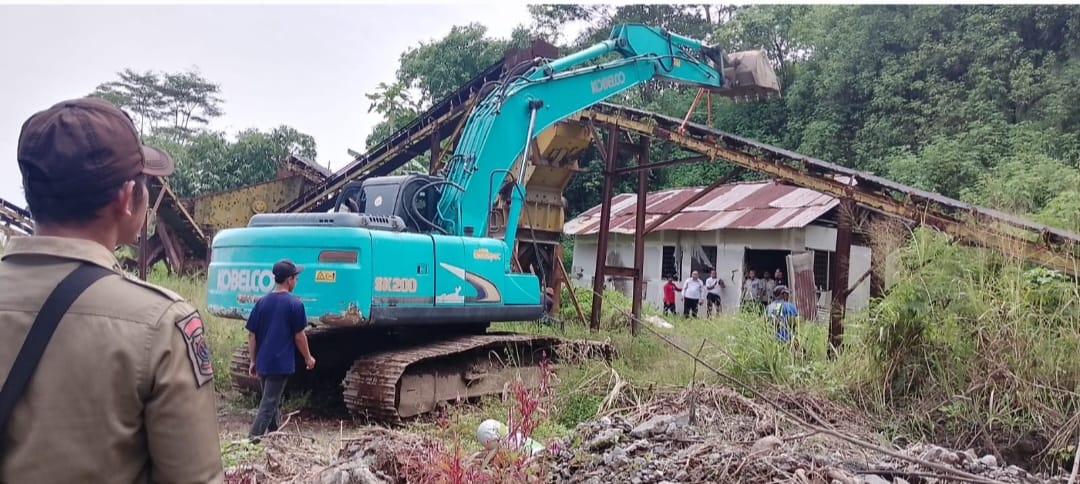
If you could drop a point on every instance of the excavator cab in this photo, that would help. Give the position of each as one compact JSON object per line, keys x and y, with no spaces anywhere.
{"x":412,"y":198}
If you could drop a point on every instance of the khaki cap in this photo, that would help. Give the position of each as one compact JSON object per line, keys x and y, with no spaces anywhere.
{"x":83,"y":146}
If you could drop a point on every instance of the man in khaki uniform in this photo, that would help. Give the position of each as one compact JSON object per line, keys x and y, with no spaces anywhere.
{"x":124,"y":390}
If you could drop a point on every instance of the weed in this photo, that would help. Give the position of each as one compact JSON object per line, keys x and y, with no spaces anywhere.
{"x":240,"y":452}
{"x":505,"y":462}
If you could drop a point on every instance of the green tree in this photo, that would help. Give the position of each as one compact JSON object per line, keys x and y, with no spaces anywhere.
{"x":167,"y":104}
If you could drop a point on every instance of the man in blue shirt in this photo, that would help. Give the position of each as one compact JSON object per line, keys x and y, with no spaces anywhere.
{"x":275,"y":331}
{"x":782,"y":313}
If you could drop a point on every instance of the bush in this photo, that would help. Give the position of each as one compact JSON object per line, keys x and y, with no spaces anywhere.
{"x":973,"y":344}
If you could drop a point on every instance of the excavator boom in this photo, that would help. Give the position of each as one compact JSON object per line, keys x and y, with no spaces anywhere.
{"x":500,"y":128}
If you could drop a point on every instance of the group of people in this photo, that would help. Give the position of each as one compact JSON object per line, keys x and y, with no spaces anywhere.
{"x":693,"y":290}
{"x":767,"y":295}
{"x":757,"y":290}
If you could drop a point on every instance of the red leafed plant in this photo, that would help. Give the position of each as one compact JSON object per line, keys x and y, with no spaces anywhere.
{"x":508,"y":462}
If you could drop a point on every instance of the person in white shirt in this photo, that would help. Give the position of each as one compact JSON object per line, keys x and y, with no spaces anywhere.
{"x":713,"y":285}
{"x":748,"y":294}
{"x":692,"y":290}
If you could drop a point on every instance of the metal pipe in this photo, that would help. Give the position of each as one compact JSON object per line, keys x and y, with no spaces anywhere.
{"x":528,"y":142}
{"x":576,"y":58}
{"x":517,"y":193}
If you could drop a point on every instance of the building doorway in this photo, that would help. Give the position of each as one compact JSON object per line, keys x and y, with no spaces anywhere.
{"x":765,"y":261}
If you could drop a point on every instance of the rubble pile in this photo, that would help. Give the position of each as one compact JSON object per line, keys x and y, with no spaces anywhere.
{"x":728,"y":438}
{"x":705,"y":435}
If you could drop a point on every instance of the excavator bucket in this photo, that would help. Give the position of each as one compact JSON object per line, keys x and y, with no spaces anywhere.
{"x":749,"y":75}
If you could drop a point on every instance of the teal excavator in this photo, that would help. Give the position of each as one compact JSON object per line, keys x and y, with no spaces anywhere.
{"x":402,"y":279}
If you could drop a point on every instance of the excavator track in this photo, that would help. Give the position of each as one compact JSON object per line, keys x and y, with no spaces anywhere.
{"x":238,"y":370}
{"x":400,"y":383}
{"x":387,"y":378}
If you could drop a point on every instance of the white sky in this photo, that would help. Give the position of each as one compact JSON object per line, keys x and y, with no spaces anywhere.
{"x":305,"y":66}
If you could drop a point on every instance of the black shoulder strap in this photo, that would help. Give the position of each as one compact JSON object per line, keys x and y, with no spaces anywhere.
{"x":41,"y":332}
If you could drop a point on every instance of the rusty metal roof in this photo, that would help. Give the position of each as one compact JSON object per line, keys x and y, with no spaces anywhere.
{"x":309,"y":164}
{"x":749,"y":206}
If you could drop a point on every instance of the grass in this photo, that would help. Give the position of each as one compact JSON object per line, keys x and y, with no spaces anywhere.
{"x":968,"y":349}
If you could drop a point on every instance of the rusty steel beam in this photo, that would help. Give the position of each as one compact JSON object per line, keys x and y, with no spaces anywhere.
{"x":436,"y":163}
{"x":436,"y":153}
{"x":839,"y":273}
{"x":573,"y":297}
{"x":1054,"y":248}
{"x":627,"y":272}
{"x":660,"y":164}
{"x":690,"y":201}
{"x":639,"y":235}
{"x":174,"y":254}
{"x":17,"y":219}
{"x":605,"y":222}
{"x":858,"y":281}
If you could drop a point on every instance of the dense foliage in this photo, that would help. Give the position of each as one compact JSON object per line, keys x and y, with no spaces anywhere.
{"x":975,"y":102}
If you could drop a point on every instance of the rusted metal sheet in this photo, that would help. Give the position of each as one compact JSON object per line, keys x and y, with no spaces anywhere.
{"x":750,"y":206}
{"x":1051,"y":247}
{"x":309,"y":169}
{"x":234,"y":208}
{"x":801,"y":283}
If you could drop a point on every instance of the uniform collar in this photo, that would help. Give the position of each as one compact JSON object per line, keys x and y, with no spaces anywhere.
{"x":62,"y":247}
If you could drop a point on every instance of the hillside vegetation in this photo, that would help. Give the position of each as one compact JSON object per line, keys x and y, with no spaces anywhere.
{"x":974,"y":102}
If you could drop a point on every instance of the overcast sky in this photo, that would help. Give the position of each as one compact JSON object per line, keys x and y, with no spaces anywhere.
{"x":307,"y":67}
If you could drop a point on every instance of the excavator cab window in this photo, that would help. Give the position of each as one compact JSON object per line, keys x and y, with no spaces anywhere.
{"x":351,"y":199}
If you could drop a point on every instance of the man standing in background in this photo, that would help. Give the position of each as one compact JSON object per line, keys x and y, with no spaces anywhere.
{"x":781,"y":314}
{"x":692,"y":292}
{"x":769,"y":286}
{"x":714,"y":285}
{"x":275,"y":332}
{"x":669,"y":295}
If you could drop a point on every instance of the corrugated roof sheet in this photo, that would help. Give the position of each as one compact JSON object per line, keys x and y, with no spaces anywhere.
{"x":748,"y":206}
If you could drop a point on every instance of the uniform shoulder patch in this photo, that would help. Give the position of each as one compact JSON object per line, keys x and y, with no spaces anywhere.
{"x":171,"y":295}
{"x":198,"y":349}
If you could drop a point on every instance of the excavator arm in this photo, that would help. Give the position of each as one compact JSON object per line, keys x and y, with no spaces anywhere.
{"x":499,"y":129}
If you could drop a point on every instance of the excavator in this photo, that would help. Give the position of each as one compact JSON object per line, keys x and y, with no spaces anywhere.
{"x":402,"y":277}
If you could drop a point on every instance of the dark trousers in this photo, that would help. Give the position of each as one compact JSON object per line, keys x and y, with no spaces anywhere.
{"x":714,"y":301}
{"x":266,"y":420}
{"x":669,"y":307}
{"x":689,"y":306}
